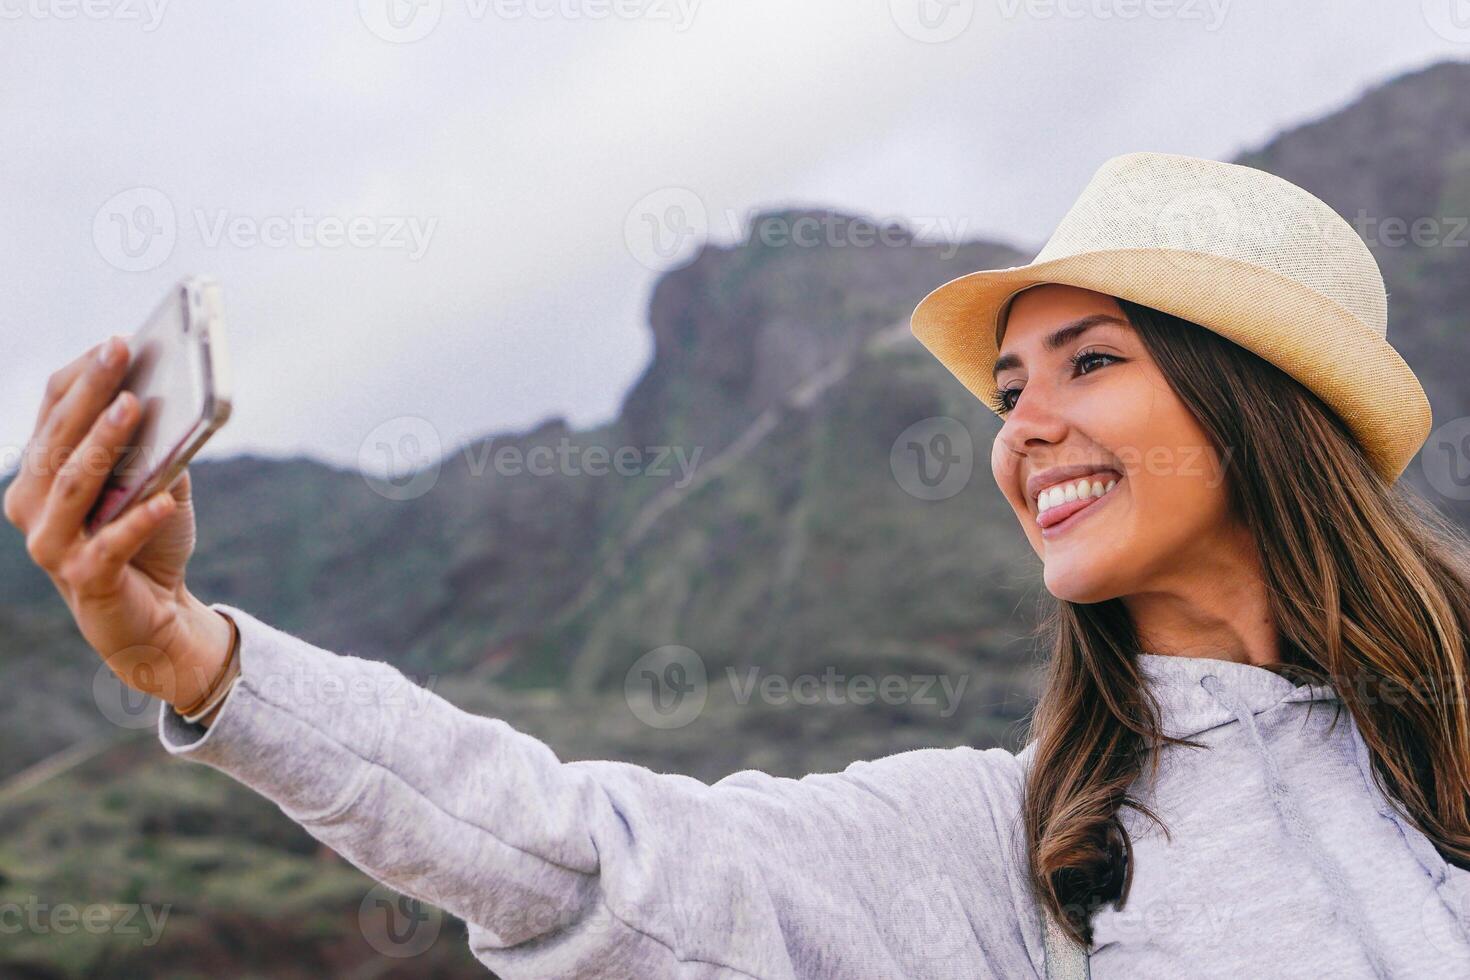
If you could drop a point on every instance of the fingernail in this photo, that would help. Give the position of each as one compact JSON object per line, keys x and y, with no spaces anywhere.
{"x":118,"y":410}
{"x":104,"y":353}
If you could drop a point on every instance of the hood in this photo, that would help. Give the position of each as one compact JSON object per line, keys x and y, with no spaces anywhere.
{"x":1189,"y":704}
{"x":1196,"y":694}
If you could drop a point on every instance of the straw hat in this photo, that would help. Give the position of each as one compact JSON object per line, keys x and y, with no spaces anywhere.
{"x":1240,"y":251}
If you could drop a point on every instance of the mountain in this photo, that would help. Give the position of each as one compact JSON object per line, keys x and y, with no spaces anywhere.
{"x":770,"y":519}
{"x":1396,"y":165}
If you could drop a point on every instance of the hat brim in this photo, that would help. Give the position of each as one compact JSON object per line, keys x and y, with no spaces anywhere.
{"x":1334,"y":354}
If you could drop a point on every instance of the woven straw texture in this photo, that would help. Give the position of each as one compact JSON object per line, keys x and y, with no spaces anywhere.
{"x":1237,"y":250}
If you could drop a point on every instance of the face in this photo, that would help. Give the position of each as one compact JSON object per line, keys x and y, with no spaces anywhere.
{"x":1135,"y":493}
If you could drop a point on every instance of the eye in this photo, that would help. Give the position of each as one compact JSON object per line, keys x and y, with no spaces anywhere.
{"x":1089,"y":356}
{"x":1004,"y":400}
{"x":1085,"y":361}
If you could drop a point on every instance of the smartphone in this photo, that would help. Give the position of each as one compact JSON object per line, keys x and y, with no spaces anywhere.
{"x":179,"y":371}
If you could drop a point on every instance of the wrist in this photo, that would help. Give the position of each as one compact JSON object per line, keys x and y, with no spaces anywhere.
{"x":209,"y":644}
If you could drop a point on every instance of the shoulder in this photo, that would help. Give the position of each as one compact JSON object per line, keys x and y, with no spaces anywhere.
{"x":962,"y":783}
{"x":993,"y":766}
{"x":960,"y":766}
{"x":936,"y":829}
{"x":977,"y":788}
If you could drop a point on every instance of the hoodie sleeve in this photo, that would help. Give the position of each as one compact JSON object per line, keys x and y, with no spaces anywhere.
{"x":906,"y":866}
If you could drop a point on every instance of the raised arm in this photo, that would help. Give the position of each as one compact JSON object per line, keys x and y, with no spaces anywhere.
{"x":901,"y":867}
{"x":906,"y":867}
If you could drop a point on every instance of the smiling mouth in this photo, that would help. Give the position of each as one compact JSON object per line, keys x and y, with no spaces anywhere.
{"x":1058,"y":505}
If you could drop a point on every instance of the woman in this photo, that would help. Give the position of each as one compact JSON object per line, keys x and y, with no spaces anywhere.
{"x":1252,"y":751}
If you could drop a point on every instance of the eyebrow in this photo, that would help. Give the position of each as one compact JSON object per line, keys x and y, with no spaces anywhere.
{"x":1057,"y":338}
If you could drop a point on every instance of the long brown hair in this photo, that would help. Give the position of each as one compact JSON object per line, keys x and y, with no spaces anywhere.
{"x":1369,"y":588}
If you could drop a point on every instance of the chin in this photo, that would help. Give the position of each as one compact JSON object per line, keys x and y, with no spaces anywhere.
{"x":1078,"y":579}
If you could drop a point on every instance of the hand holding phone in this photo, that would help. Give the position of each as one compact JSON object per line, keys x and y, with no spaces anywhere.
{"x":178,"y":369}
{"x":124,"y":584}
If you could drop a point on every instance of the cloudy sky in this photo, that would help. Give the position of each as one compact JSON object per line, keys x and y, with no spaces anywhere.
{"x":446,"y":209}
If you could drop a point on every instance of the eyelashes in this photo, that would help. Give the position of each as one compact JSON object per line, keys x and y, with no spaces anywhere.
{"x":1001,"y":402}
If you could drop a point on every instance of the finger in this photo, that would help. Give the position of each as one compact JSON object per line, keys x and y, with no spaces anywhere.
{"x":26,"y":495}
{"x":180,"y":487}
{"x":74,"y":406}
{"x":82,"y":476}
{"x":97,"y":569}
{"x":58,"y":384}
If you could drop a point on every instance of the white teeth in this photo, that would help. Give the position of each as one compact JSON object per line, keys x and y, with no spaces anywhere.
{"x":1064,"y":493}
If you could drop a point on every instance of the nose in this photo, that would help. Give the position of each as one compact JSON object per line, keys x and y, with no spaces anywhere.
{"x":1036,"y":420}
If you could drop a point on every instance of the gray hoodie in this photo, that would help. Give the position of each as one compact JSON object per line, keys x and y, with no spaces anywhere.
{"x":1285,"y":859}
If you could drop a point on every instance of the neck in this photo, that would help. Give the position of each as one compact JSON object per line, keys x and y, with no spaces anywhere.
{"x":1214,"y":604}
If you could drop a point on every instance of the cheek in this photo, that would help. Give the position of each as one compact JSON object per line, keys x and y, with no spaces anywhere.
{"x":1004,"y":467}
{"x":1178,"y":490}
